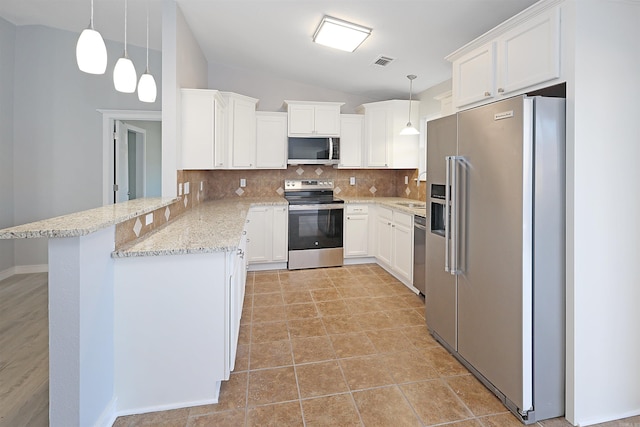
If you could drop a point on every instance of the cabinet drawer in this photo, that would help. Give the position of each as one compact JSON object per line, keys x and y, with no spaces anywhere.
{"x":385,"y":213}
{"x":403,"y":219}
{"x":357,"y":209}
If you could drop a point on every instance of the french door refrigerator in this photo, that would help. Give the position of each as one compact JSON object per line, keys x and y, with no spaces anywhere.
{"x":495,"y":295}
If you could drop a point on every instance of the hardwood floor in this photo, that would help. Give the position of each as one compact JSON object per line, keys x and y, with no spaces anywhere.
{"x":24,"y":351}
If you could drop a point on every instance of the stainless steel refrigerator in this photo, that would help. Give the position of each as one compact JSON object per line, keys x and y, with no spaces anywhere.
{"x":495,"y":292}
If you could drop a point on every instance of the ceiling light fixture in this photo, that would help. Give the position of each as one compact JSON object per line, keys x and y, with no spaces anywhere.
{"x":91,"y":52}
{"x":147,"y":90}
{"x":124,"y":73}
{"x":409,"y":129}
{"x":340,"y":34}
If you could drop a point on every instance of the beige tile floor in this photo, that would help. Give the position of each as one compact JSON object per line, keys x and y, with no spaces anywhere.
{"x":340,"y":347}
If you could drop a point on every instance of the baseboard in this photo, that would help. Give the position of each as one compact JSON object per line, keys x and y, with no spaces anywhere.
{"x":268,"y":266}
{"x":108,"y":416}
{"x":362,"y":260}
{"x":157,"y":408}
{"x":23,"y":269}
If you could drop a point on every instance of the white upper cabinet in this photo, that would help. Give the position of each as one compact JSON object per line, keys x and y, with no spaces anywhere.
{"x":313,"y":119}
{"x":520,"y":55}
{"x":203,"y":129}
{"x":351,"y":141}
{"x":242,"y":130}
{"x":384,"y":147}
{"x":271,"y":140}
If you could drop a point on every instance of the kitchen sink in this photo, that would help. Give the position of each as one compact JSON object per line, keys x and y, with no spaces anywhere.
{"x":412,"y":205}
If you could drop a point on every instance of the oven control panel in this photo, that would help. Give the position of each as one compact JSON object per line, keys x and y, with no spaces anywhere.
{"x":308,"y":184}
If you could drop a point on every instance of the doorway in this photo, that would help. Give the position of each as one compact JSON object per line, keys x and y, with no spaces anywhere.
{"x":131,"y":137}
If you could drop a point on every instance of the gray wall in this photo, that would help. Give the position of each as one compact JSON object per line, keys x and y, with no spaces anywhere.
{"x":272,"y":91}
{"x":7,"y":52}
{"x":57,"y":130}
{"x":154,"y":155}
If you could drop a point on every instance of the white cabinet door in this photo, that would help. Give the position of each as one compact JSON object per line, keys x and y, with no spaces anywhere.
{"x":530,"y":53}
{"x":376,"y":134}
{"x":327,"y":120}
{"x":403,"y":250}
{"x":242,"y":131}
{"x":220,"y":144}
{"x":259,"y":234}
{"x":356,"y":236}
{"x":301,"y":119}
{"x":280,"y":233}
{"x":271,"y":140}
{"x":198,"y":128}
{"x":351,"y":140}
{"x":474,"y":76}
{"x":237,"y":283}
{"x":384,"y":245}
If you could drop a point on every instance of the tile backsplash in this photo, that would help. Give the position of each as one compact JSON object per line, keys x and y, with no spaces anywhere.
{"x":260,"y":183}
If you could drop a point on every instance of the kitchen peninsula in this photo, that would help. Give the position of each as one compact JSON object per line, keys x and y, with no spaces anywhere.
{"x":126,"y":325}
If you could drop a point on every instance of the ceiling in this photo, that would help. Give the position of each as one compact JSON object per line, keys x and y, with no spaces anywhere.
{"x":274,"y":36}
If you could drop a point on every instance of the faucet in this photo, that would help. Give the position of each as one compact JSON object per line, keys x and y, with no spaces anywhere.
{"x":419,"y":175}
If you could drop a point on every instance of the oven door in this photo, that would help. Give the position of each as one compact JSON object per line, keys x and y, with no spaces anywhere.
{"x":315,"y":226}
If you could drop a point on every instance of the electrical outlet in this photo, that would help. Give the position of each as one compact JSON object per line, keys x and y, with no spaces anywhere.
{"x":352,"y":180}
{"x":406,"y":180}
{"x":243,"y":182}
{"x":186,"y":188}
{"x":148,"y":219}
{"x":201,"y":185}
{"x":180,"y":189}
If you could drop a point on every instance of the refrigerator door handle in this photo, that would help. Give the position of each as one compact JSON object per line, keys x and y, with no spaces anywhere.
{"x":454,"y":215}
{"x":447,"y":212}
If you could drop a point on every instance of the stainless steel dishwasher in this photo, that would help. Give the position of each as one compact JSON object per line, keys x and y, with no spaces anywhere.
{"x":419,"y":252}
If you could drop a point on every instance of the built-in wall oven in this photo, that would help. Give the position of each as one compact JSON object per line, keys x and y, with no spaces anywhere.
{"x":315,"y":224}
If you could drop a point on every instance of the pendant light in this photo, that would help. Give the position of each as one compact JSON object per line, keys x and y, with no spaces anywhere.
{"x":409,"y":129}
{"x":147,"y":90}
{"x":91,"y":53}
{"x":124,"y":73}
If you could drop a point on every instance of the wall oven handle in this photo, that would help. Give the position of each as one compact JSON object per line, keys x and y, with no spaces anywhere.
{"x":323,"y":207}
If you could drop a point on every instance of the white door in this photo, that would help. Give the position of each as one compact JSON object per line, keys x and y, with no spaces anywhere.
{"x":130,"y":162}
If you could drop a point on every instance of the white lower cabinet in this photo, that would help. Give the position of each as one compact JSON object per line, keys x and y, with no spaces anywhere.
{"x":356,"y":231}
{"x":237,"y":282}
{"x":267,"y":231}
{"x":394,"y":246}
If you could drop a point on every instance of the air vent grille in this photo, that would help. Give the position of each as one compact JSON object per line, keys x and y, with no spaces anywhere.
{"x":383,"y":61}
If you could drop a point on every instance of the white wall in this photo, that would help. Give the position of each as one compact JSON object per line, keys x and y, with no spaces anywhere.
{"x":153,"y":155}
{"x":429,"y":106}
{"x":603,"y":328}
{"x":57,"y":130}
{"x":7,"y":52}
{"x":183,"y":65}
{"x":272,"y":91}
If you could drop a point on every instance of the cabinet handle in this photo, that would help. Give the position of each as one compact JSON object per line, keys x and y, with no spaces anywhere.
{"x":388,"y":223}
{"x":244,"y":232}
{"x":500,"y":90}
{"x":487,"y":94}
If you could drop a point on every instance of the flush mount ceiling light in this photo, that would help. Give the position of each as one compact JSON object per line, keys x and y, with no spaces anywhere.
{"x":409,"y":129}
{"x":147,"y":90}
{"x":91,"y":53}
{"x":340,"y":34}
{"x":124,"y":73}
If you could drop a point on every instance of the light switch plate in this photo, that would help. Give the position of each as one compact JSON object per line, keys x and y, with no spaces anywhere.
{"x":201,"y":185}
{"x":148,"y":219}
{"x":352,"y":180}
{"x":186,"y":188}
{"x":243,"y":182}
{"x":180,"y":189}
{"x":406,"y":180}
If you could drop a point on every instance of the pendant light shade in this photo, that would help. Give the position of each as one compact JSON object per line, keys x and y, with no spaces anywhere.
{"x":147,"y":90}
{"x":91,"y":52}
{"x":124,"y":73}
{"x":410,"y":129}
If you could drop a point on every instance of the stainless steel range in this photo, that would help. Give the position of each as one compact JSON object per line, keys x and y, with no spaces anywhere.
{"x":315,"y":224}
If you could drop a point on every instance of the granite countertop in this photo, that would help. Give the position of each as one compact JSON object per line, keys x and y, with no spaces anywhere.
{"x":85,"y":222}
{"x":391,"y":202}
{"x":214,"y":226}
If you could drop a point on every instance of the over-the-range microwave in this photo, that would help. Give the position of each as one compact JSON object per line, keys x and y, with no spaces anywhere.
{"x":313,"y":151}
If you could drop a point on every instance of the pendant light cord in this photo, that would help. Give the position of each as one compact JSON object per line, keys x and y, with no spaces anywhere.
{"x":91,"y":20}
{"x":410,"y":90}
{"x":125,"y":29}
{"x":147,"y":71}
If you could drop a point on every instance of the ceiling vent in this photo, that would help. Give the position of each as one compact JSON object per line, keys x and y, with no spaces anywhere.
{"x":383,"y":61}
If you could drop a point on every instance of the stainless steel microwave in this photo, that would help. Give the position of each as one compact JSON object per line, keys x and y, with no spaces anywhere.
{"x":313,"y":151}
